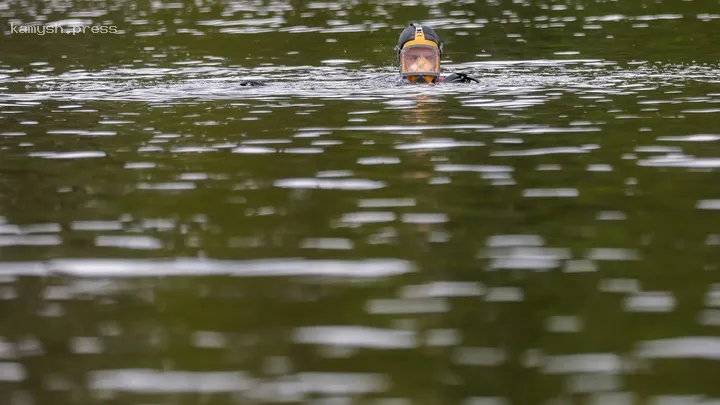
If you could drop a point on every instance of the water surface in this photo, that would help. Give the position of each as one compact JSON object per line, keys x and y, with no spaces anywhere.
{"x":548,"y":235}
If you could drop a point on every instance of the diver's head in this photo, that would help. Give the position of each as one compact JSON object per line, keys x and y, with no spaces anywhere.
{"x":418,"y":51}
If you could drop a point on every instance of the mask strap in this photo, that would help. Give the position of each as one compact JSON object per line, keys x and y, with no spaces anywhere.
{"x":418,"y":29}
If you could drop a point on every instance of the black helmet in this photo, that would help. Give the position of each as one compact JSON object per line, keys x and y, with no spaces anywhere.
{"x":408,"y":34}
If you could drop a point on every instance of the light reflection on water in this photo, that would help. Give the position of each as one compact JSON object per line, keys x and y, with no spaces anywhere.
{"x":548,"y":235}
{"x":517,"y":79}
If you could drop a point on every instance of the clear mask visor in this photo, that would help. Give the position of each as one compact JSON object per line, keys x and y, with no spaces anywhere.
{"x":420,"y":60}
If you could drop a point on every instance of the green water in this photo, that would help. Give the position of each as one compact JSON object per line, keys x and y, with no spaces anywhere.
{"x":547,"y":236}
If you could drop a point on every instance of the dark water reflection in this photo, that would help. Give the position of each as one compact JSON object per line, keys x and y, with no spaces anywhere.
{"x":546,"y":236}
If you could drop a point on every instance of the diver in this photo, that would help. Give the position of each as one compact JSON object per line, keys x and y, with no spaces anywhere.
{"x":418,"y":51}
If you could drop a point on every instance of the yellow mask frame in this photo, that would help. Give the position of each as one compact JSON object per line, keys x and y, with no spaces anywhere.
{"x":430,"y":75}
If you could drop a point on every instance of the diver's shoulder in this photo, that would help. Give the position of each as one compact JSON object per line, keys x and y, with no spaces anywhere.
{"x":459,"y":78}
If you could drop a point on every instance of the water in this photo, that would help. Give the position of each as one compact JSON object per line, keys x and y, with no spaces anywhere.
{"x":548,"y":235}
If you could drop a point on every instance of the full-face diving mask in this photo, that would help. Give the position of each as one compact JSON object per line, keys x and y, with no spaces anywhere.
{"x":420,"y":59}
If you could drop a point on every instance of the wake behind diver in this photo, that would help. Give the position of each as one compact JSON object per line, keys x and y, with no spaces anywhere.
{"x":419,"y":50}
